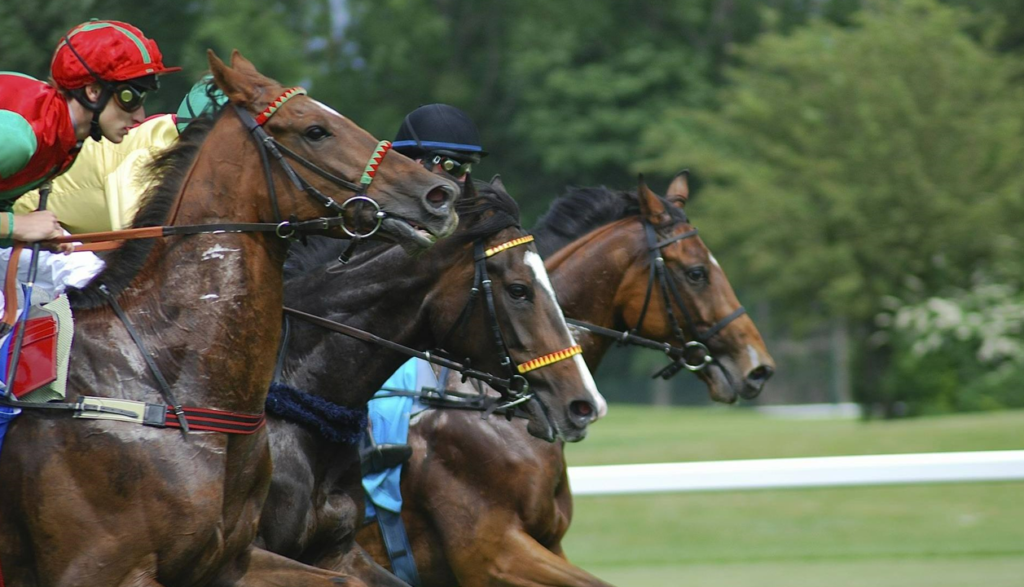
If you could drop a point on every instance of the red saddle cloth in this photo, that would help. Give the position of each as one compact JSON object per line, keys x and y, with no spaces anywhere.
{"x":37,"y":364}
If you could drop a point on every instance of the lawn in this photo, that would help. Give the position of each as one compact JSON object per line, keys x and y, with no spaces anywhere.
{"x":918,"y":535}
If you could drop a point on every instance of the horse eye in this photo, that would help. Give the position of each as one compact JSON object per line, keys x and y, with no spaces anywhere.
{"x":518,"y":291}
{"x":316,"y":133}
{"x":697,"y":274}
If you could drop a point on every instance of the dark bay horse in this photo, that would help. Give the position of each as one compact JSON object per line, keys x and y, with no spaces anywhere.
{"x":316,"y":501}
{"x":89,"y":502}
{"x":485,"y":504}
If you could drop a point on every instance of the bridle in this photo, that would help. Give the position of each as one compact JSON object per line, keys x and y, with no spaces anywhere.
{"x":694,"y":355}
{"x":518,"y":391}
{"x":268,"y":145}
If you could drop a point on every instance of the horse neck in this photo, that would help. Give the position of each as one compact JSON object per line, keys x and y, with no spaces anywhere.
{"x":587,"y":275}
{"x":213,"y":301}
{"x":388,"y":296}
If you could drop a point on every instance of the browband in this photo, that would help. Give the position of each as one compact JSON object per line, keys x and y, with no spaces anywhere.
{"x":505,"y":246}
{"x":274,"y":105}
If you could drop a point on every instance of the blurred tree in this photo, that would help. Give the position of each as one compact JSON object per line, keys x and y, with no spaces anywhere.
{"x":849,"y":164}
{"x":284,"y":38}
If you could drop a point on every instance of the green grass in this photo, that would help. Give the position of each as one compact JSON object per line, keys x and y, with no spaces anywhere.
{"x":915,"y":535}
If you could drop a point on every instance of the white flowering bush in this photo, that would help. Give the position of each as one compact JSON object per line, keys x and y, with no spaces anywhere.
{"x":960,"y":352}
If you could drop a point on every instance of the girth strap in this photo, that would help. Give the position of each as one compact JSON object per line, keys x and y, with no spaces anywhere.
{"x":148,"y":414}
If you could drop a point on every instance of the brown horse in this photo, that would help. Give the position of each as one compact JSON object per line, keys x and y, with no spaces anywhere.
{"x":316,"y":500}
{"x":485,"y":504}
{"x":87,"y":502}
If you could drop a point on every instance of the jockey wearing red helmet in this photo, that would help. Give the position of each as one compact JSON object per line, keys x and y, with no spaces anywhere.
{"x":102,"y":71}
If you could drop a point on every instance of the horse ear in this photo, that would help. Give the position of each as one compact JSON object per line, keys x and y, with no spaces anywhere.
{"x":496,"y":182}
{"x":234,"y":85}
{"x":679,"y":190}
{"x":241,"y":63}
{"x":651,"y":205}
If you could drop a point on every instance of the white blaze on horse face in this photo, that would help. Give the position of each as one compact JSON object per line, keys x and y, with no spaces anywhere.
{"x":714,"y":260}
{"x":755,"y":357}
{"x":328,"y":108}
{"x":540,"y":273}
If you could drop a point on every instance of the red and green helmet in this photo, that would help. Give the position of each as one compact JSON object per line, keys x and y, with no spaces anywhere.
{"x":111,"y":50}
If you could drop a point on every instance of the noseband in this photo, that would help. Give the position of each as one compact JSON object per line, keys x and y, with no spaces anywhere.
{"x":518,"y":392}
{"x":267,"y":144}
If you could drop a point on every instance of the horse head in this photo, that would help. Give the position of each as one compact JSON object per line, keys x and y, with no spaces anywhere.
{"x":331,"y":166}
{"x":515,"y":327}
{"x":696,"y":306}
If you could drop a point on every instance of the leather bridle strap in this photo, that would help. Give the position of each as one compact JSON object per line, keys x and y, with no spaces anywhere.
{"x":670,"y":293}
{"x":483,"y":280}
{"x":267,"y":144}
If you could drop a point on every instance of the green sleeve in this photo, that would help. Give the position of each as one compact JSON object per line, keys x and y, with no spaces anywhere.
{"x":17,"y":143}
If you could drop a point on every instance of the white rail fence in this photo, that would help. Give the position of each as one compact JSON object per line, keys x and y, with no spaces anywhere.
{"x":947,"y":467}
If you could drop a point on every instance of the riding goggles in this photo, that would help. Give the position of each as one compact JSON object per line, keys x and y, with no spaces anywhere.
{"x":130,"y":98}
{"x":450,"y":165}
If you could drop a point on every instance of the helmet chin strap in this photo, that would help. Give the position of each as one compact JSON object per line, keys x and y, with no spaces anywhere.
{"x":95,"y":132}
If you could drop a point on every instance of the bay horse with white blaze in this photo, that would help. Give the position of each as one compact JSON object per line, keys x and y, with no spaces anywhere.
{"x":485,"y":504}
{"x":87,"y":501}
{"x":316,"y":500}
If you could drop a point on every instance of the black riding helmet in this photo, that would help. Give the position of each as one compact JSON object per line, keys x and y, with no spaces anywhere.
{"x":440,"y":134}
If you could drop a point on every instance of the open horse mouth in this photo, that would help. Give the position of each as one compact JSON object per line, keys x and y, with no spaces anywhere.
{"x":410,"y":235}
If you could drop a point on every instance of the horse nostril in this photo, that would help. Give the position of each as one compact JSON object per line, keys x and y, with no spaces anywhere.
{"x":760,"y":374}
{"x":439,"y":196}
{"x":582,"y":410}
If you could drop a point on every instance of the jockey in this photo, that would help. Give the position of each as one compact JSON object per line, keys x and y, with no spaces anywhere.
{"x":102,"y":72}
{"x":445,"y":141}
{"x":442,"y":138}
{"x":102,"y":190}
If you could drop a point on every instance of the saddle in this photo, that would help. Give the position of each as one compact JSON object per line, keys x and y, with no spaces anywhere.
{"x":41,"y":374}
{"x":46,"y":345}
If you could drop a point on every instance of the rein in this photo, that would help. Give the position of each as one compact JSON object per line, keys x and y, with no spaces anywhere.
{"x":188,"y":418}
{"x":450,"y":399}
{"x":694,"y":355}
{"x":466,"y":371}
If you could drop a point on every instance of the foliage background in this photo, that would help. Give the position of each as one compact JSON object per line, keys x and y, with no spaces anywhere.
{"x":851,"y":159}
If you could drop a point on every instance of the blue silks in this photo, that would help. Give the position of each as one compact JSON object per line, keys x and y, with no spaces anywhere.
{"x":390,"y":419}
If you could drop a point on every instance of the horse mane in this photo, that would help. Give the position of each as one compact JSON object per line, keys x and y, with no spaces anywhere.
{"x":581,"y":210}
{"x":490,"y":210}
{"x":168,"y":170}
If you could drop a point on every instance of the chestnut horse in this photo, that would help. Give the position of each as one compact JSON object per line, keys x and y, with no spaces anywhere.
{"x":316,"y":501}
{"x":87,"y":502}
{"x":485,"y":504}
